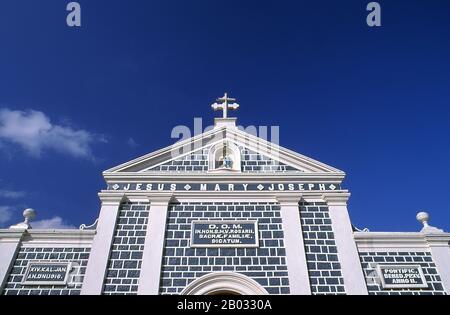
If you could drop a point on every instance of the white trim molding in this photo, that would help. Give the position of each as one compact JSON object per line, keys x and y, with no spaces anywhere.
{"x":354,"y":281}
{"x":440,"y":250}
{"x":390,"y":241}
{"x":231,"y":148}
{"x":9,"y":246}
{"x":294,"y":245}
{"x":235,"y":135}
{"x":152,"y":256}
{"x":221,"y":282}
{"x":101,"y":246}
{"x":58,"y":238}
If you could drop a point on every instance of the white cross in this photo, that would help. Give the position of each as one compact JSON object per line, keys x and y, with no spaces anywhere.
{"x":222,"y":104}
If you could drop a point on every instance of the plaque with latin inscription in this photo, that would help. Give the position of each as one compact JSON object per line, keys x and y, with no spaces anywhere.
{"x":401,"y":276}
{"x":47,"y":273}
{"x":224,"y":233}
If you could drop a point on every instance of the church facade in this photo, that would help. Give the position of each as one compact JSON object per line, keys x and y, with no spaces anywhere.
{"x":224,"y":212}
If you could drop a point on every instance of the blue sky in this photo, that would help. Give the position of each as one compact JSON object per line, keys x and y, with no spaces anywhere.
{"x":373,"y":102}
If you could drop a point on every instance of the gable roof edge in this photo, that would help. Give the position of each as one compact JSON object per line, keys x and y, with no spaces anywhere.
{"x":287,"y":156}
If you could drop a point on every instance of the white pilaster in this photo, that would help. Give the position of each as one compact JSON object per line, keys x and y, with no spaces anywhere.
{"x":352,"y":273}
{"x":154,"y":244}
{"x":101,"y":245}
{"x":293,"y":243}
{"x":440,"y":250}
{"x":9,"y":245}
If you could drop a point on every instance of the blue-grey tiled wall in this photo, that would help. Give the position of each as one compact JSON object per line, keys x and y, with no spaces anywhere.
{"x":124,"y":265}
{"x":324,"y":269}
{"x":183,"y":264}
{"x":78,"y":256}
{"x":370,"y":260}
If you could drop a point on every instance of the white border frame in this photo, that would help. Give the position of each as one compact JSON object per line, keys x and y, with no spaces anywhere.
{"x":402,"y":285}
{"x":217,"y":282}
{"x":237,"y":163}
{"x":255,"y":223}
{"x":54,"y":282}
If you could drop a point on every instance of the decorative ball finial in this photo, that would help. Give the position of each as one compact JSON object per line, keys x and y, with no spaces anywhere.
{"x":29,"y":214}
{"x":423,"y":218}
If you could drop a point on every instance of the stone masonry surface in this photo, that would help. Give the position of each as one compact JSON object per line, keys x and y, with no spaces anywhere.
{"x":77,"y":255}
{"x":370,"y":260}
{"x":251,"y":161}
{"x":183,"y":264}
{"x":124,"y":266}
{"x":324,"y":269}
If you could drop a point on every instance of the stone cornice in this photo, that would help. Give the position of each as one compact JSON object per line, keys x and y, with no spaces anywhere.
{"x":289,"y":199}
{"x":11,"y":235}
{"x":393,"y":240}
{"x":336,"y":198}
{"x":48,"y":237}
{"x":225,"y":178}
{"x":59,"y":237}
{"x":143,"y":194}
{"x":160,"y":198}
{"x":438,"y":239}
{"x":111,"y":199}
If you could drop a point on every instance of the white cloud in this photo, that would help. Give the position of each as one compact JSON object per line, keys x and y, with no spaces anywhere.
{"x":33,"y":131}
{"x":53,"y":223}
{"x":11,"y":194}
{"x":5,"y":214}
{"x":132,"y":143}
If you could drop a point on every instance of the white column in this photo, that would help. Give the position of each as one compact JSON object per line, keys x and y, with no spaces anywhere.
{"x":293,"y":243}
{"x":154,"y":244}
{"x":9,"y":245}
{"x":352,"y":272}
{"x":101,"y":245}
{"x":440,"y":250}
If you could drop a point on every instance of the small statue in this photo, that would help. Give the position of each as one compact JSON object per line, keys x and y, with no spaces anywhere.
{"x":227,"y":162}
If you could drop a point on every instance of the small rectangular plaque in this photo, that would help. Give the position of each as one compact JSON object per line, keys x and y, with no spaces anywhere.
{"x":47,"y":273}
{"x":224,"y":233}
{"x":401,"y":276}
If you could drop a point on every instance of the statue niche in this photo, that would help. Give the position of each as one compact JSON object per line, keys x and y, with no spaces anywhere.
{"x":225,"y":158}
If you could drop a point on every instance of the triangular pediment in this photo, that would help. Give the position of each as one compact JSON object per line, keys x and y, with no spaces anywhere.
{"x":193,"y":155}
{"x":198,"y":161}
